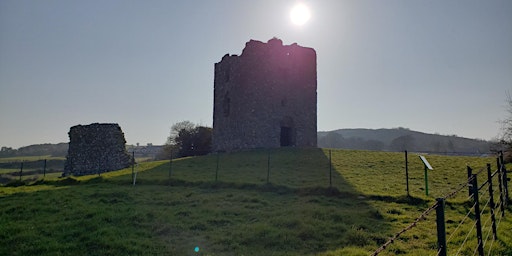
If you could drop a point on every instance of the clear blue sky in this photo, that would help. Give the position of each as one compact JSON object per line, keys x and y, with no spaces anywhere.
{"x":439,"y":66}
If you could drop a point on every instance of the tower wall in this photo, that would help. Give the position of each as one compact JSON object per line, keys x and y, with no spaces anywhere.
{"x":265,"y":98}
{"x":96,"y":148}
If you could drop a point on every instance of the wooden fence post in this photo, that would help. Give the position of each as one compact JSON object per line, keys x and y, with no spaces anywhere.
{"x":441,"y":229}
{"x":477,"y":216}
{"x":491,"y":202}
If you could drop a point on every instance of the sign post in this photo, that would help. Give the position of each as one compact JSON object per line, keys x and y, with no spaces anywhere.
{"x":427,"y":167}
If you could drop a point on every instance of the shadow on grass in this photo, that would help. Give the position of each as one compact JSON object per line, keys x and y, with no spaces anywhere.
{"x":297,"y":173}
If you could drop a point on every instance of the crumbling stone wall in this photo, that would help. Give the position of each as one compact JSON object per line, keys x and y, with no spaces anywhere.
{"x":265,"y":98}
{"x":96,"y":148}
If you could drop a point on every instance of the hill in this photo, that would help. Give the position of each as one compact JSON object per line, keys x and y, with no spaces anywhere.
{"x":223,"y":205}
{"x":399,"y":139}
{"x":61,"y":150}
{"x":47,"y":149}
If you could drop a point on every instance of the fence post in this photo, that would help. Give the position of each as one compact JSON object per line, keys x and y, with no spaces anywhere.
{"x":470,"y":173}
{"x":330,"y":169}
{"x":505,"y":180}
{"x":170,"y":168}
{"x":217,"y":167}
{"x":133,"y":165}
{"x":21,"y":169}
{"x":407,"y":173}
{"x":491,"y":201}
{"x":500,"y":186}
{"x":441,"y":229}
{"x":44,"y":169}
{"x":477,"y":216}
{"x":268,"y":167}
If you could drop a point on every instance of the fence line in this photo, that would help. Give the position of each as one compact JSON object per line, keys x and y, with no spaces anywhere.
{"x":475,"y":192}
{"x":29,"y":170}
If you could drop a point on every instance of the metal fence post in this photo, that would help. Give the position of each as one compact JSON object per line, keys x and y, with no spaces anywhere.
{"x":470,"y":173}
{"x":491,"y":201}
{"x":170,"y":168}
{"x":44,"y":169}
{"x":268,"y":167}
{"x":505,"y":180}
{"x":407,"y":173}
{"x":330,"y":169}
{"x":133,"y":165}
{"x":217,"y":167}
{"x":441,"y":229}
{"x":477,"y":216}
{"x":21,"y":169}
{"x":500,"y":186}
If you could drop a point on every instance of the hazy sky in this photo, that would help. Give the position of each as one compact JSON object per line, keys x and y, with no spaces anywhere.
{"x":435,"y":66}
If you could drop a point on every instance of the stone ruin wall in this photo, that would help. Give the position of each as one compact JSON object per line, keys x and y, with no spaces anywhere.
{"x":266,"y":97}
{"x":96,"y":148}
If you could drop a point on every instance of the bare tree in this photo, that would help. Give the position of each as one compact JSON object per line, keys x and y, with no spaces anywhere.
{"x":506,"y":128}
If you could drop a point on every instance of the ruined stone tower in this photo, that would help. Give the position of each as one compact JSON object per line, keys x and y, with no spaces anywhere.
{"x":265,"y":98}
{"x":96,"y":148}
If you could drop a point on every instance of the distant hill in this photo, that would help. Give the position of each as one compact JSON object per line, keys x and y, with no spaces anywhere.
{"x":399,"y":139}
{"x":56,"y":150}
{"x":61,"y":150}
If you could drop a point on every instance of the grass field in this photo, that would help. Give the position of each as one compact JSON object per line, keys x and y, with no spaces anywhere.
{"x":224,"y":206}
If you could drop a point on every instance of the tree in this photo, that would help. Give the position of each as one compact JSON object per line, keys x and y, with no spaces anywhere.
{"x":188,"y":139}
{"x":506,"y":129}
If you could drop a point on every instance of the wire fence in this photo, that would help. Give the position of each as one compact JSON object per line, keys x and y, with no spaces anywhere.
{"x":480,"y":224}
{"x":30,"y":170}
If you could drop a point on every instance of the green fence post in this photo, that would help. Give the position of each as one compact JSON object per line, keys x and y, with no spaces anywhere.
{"x":426,"y":180}
{"x":441,"y":229}
{"x":44,"y":169}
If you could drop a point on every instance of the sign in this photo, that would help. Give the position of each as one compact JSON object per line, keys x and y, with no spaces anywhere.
{"x":427,"y":167}
{"x":425,"y":162}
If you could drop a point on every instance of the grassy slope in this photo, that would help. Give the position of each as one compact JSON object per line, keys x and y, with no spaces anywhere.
{"x":240,"y":214}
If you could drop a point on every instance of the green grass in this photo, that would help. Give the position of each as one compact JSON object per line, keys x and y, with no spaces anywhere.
{"x":240,"y":214}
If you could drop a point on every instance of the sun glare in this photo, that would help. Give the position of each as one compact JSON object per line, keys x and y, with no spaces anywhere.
{"x":300,"y":14}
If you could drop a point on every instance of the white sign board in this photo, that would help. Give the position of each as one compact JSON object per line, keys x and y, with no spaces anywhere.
{"x":425,"y":162}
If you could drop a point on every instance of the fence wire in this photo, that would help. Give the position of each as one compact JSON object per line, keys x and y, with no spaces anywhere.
{"x":413,"y":224}
{"x":452,"y":194}
{"x":460,"y":223}
{"x":465,"y":239}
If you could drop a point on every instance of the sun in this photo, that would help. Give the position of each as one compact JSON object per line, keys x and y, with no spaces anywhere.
{"x":300,"y":14}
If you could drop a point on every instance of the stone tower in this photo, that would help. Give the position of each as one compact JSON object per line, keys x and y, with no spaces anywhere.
{"x":265,"y":98}
{"x":96,"y":148}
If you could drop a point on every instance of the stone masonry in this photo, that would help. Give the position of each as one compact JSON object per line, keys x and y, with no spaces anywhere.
{"x":96,"y":148}
{"x":265,"y":98}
